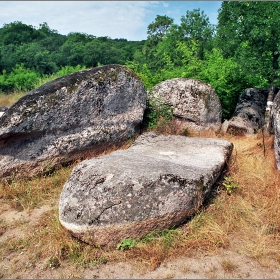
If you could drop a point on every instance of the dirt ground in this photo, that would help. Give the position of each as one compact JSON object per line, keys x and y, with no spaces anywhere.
{"x":223,"y":263}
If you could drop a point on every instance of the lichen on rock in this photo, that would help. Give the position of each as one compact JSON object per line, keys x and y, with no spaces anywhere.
{"x":195,"y":103}
{"x":157,"y":183}
{"x":61,"y":118}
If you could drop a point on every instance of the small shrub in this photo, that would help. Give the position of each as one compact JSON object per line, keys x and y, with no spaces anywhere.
{"x":157,"y":112}
{"x":185,"y":132}
{"x":53,"y":262}
{"x":20,"y":79}
{"x":166,"y":235}
{"x":68,"y":70}
{"x":229,"y":184}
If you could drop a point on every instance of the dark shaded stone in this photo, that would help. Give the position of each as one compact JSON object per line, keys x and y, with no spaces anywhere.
{"x":249,"y":113}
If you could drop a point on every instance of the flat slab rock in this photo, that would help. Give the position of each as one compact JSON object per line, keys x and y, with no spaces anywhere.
{"x":155,"y":184}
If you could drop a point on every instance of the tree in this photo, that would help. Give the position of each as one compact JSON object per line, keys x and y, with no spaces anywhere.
{"x":44,"y":28}
{"x":196,"y":26}
{"x":16,"y":33}
{"x":158,"y":29}
{"x":250,"y":32}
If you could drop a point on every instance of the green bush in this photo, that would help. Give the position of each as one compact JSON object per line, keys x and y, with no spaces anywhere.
{"x":19,"y":79}
{"x":68,"y":70}
{"x":156,"y":112}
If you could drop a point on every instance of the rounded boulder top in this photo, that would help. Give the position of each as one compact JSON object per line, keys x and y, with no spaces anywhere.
{"x":195,"y":102}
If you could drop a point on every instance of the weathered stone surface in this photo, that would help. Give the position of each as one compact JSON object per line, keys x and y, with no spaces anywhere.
{"x":3,"y":109}
{"x":249,"y":113}
{"x":276,"y":126}
{"x":79,"y":112}
{"x":155,"y":184}
{"x":194,"y":102}
{"x":224,"y":127}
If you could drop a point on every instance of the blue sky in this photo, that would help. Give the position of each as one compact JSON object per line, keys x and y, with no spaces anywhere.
{"x":115,"y":19}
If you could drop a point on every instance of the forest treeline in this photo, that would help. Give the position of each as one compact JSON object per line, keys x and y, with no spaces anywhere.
{"x":241,"y":51}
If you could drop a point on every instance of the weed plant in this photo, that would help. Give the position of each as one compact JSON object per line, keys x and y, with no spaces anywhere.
{"x":157,"y":113}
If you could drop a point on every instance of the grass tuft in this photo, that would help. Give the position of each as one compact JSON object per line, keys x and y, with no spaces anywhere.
{"x":228,"y":266}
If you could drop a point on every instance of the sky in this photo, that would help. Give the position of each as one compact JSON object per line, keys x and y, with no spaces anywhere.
{"x":115,"y":19}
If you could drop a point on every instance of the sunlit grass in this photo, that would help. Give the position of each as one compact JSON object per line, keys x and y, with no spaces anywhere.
{"x":8,"y":99}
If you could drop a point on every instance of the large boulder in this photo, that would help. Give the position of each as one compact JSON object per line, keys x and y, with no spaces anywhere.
{"x":276,"y":125}
{"x":70,"y":117}
{"x":155,"y":184}
{"x":249,"y":113}
{"x":195,"y":103}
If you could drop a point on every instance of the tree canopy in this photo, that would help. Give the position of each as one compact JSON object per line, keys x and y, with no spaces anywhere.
{"x":241,"y":51}
{"x":250,"y":32}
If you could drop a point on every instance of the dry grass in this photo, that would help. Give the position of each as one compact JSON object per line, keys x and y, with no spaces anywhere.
{"x":27,"y":194}
{"x":11,"y":98}
{"x":228,"y":266}
{"x":178,"y":127}
{"x":246,"y":220}
{"x":251,"y":214}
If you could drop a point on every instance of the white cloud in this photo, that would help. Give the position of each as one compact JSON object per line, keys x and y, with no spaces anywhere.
{"x":116,"y":19}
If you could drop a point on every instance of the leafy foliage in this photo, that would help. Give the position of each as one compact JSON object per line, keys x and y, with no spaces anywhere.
{"x":157,"y":112}
{"x":126,"y":244}
{"x":24,"y":79}
{"x":250,"y":32}
{"x":229,"y":184}
{"x":19,"y":79}
{"x":241,"y":51}
{"x":225,"y":77}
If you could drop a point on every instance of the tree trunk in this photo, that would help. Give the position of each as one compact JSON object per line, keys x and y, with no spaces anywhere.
{"x":267,"y":121}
